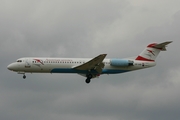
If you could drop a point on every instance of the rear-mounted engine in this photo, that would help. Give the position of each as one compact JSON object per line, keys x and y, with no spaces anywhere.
{"x":121,"y":62}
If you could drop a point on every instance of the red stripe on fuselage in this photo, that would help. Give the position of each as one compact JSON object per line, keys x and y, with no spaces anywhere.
{"x":143,"y":59}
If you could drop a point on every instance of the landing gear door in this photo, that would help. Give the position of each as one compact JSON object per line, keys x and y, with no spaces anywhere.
{"x":27,"y":63}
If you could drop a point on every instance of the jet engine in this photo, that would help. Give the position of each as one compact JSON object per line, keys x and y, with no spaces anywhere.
{"x":121,"y":62}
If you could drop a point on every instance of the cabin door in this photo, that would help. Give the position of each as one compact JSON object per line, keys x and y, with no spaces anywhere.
{"x":27,"y":63}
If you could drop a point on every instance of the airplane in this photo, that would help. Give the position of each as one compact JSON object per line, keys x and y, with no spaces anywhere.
{"x":89,"y":68}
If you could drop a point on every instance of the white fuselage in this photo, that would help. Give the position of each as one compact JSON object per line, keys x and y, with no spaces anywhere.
{"x":66,"y":65}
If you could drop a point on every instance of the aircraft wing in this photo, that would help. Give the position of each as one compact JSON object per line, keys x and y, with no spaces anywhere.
{"x":94,"y":64}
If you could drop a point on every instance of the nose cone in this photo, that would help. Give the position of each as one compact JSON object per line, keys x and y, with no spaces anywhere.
{"x":12,"y":67}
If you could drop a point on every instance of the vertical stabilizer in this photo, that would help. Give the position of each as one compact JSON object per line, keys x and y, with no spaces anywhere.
{"x":152,"y":50}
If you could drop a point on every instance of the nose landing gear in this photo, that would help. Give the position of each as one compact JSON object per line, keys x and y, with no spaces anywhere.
{"x":24,"y":76}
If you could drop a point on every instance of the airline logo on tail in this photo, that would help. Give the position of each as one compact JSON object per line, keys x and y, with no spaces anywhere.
{"x":152,"y":52}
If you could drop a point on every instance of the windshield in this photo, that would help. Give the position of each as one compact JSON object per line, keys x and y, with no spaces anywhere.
{"x":19,"y":61}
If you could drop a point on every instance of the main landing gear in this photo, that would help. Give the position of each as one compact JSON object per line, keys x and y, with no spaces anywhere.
{"x":24,"y":76}
{"x":88,"y":79}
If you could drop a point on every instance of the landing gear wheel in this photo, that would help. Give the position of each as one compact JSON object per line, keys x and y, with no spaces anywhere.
{"x":24,"y":76}
{"x":88,"y":80}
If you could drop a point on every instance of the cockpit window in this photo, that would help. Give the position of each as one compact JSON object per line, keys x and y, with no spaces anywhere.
{"x":19,"y":60}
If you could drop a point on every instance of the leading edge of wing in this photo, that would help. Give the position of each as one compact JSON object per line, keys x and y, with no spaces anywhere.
{"x":92,"y":63}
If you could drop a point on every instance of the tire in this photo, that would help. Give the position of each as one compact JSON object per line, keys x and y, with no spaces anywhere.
{"x":88,"y":80}
{"x":24,"y":76}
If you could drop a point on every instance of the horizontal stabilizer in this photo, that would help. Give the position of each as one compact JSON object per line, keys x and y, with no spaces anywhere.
{"x":161,"y":46}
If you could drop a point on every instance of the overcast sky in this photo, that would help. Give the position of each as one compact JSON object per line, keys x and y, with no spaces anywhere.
{"x":87,"y":28}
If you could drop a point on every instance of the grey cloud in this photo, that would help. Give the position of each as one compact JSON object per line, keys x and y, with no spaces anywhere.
{"x":85,"y":29}
{"x":46,"y":30}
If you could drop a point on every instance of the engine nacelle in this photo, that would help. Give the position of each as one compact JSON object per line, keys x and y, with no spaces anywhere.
{"x":121,"y":62}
